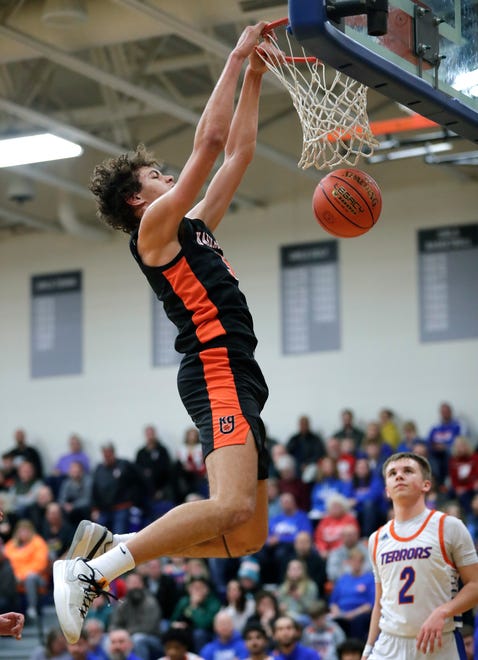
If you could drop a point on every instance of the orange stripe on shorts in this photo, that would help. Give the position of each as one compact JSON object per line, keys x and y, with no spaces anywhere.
{"x":229,"y":424}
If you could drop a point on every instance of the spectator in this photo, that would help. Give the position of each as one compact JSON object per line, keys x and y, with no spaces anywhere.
{"x":367,"y":497}
{"x":249,"y":576}
{"x":266,"y":612}
{"x":175,"y":567}
{"x":351,"y":649}
{"x":346,"y":459}
{"x":81,"y":650}
{"x":322,"y":634}
{"x":463,"y":472}
{"x":54,"y":648}
{"x":226,"y":643}
{"x":25,"y":489}
{"x":177,"y":644}
{"x":305,"y":551}
{"x":75,"y":455}
{"x":297,"y":591}
{"x":222,"y":570}
{"x":154,"y":463}
{"x":305,"y":446}
{"x":100,"y":611}
{"x":57,"y":532}
{"x":139,"y":614}
{"x":277,"y":451}
{"x":28,"y":554}
{"x":25,"y":452}
{"x":94,"y":629}
{"x":120,"y":646}
{"x":409,"y":436}
{"x":287,"y":633}
{"x":327,"y":484}
{"x":337,"y":560}
{"x":9,"y":470}
{"x":440,"y":442}
{"x":197,"y":609}
{"x":190,"y":467}
{"x":273,"y":497}
{"x":238,"y":605}
{"x":74,"y":495}
{"x":388,"y":428}
{"x":9,"y":600}
{"x":196,"y":567}
{"x":467,"y":633}
{"x":162,"y":586}
{"x":36,"y":512}
{"x":352,"y":598}
{"x":117,"y":487}
{"x":289,"y":481}
{"x":374,"y":449}
{"x":327,"y":535}
{"x":348,"y":429}
{"x":257,"y":642}
{"x":279,"y":546}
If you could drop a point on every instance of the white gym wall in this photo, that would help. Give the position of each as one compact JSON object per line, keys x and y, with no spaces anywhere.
{"x":381,"y":363}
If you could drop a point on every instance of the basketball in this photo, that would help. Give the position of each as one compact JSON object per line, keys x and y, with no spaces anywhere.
{"x":347,"y":203}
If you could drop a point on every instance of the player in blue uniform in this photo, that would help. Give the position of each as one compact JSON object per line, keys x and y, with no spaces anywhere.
{"x":219,"y":381}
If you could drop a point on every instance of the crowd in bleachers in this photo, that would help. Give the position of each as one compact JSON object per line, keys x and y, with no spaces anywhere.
{"x":311,"y":584}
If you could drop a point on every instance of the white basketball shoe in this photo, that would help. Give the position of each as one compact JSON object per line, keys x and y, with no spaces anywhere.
{"x":90,"y":540}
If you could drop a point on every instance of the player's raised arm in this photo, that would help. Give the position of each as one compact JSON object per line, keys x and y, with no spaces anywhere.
{"x":161,"y":218}
{"x":240,"y":146}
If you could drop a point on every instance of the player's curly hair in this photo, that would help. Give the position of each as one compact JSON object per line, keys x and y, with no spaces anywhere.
{"x":113,"y":182}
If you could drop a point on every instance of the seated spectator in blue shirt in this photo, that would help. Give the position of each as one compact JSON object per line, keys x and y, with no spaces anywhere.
{"x":352,"y":598}
{"x":287,"y":634}
{"x":409,"y":437}
{"x":327,"y":483}
{"x":279,"y":546}
{"x":76,"y":454}
{"x":368,"y":497}
{"x":227,"y":643}
{"x":440,"y":441}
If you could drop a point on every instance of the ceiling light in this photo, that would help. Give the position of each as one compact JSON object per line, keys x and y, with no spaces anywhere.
{"x":413,"y":152}
{"x":64,"y":13}
{"x":36,"y":149}
{"x":467,"y":82}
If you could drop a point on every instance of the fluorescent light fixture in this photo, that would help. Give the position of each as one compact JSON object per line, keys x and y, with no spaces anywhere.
{"x":36,"y":149}
{"x":413,"y":152}
{"x":64,"y":13}
{"x":467,"y":82}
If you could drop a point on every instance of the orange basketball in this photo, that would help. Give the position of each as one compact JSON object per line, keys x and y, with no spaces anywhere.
{"x":347,"y":203}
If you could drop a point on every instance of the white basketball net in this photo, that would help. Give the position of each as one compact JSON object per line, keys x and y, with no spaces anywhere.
{"x":333,"y":116}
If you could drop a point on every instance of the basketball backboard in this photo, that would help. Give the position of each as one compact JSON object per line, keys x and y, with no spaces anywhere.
{"x":427,"y":59}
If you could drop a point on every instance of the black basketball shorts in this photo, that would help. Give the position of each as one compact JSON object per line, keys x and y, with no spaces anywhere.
{"x":224,"y":391}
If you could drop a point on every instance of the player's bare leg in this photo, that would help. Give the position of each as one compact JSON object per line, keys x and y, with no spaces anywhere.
{"x":237,"y":507}
{"x":232,"y":522}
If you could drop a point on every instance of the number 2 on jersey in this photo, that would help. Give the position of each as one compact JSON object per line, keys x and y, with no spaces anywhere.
{"x":408,"y":575}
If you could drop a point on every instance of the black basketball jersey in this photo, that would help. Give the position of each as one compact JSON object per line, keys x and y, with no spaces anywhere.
{"x":200,"y":293}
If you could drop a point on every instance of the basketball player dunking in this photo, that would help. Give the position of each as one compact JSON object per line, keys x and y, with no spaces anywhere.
{"x":219,"y":381}
{"x":418,"y":559}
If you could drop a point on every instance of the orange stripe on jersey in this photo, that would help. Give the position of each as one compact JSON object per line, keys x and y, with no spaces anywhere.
{"x":375,"y":545}
{"x":229,"y":424}
{"x":186,"y":285}
{"x":413,"y":536}
{"x":441,"y":538}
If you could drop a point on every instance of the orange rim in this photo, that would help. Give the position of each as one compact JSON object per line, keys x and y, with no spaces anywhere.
{"x":282,"y":22}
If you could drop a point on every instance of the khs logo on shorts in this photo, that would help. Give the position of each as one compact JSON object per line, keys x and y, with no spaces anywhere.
{"x":226,"y":424}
